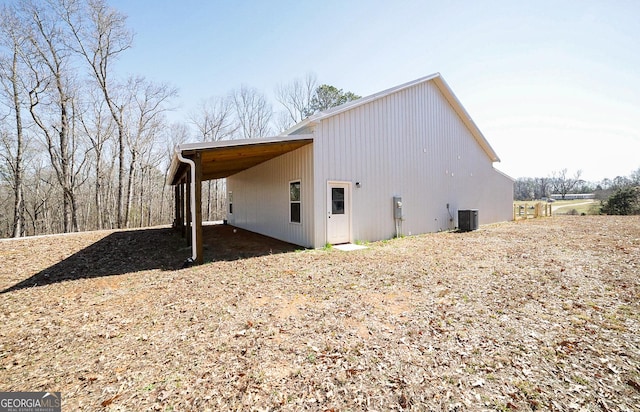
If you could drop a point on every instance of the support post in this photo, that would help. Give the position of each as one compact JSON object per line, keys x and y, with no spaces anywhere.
{"x":197,"y":221}
{"x":188,"y":210}
{"x":183,"y":230}
{"x":176,"y":205}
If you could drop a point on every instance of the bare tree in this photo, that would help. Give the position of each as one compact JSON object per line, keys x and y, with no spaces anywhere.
{"x":148,"y":103}
{"x":40,"y":206}
{"x":253,"y":112}
{"x":5,"y":226}
{"x":214,"y":119}
{"x":563,"y":184}
{"x":101,"y":34}
{"x":621,"y":182}
{"x":51,"y":98}
{"x":296,"y":98}
{"x":635,"y":177}
{"x":282,"y":121}
{"x":12,"y":39}
{"x":175,"y":134}
{"x":542,"y":187}
{"x":214,"y":122}
{"x":110,"y":199}
{"x":74,"y":121}
{"x":98,"y":127}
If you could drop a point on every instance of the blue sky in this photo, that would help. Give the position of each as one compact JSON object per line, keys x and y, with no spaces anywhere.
{"x":551,"y":84}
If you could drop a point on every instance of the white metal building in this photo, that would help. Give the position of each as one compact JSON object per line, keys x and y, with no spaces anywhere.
{"x":337,"y":175}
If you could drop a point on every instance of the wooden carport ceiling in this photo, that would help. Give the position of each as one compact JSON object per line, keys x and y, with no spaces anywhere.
{"x":226,"y":158}
{"x":227,"y":161}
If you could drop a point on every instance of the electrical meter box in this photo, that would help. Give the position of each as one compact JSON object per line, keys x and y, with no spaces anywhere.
{"x":397,"y":207}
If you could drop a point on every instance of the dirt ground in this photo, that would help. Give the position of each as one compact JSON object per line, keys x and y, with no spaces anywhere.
{"x":542,"y":314}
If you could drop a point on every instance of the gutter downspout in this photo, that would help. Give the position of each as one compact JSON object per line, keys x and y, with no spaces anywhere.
{"x":192,"y":192}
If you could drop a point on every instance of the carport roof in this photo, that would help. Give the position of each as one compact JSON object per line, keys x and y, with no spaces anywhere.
{"x":228,"y":157}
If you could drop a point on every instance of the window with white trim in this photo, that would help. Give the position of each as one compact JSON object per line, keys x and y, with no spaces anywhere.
{"x":295,"y":204}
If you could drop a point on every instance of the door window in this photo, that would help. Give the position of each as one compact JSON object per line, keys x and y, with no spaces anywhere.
{"x":337,"y":200}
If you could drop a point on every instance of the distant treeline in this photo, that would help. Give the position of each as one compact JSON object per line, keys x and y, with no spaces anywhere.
{"x":531,"y":188}
{"x":620,"y":195}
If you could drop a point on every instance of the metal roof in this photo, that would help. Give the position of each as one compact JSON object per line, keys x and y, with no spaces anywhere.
{"x":227,"y":157}
{"x":440,"y":83}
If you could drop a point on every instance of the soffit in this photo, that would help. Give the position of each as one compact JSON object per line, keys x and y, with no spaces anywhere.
{"x":223,"y":159}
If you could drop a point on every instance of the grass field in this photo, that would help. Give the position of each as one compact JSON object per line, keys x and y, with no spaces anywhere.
{"x":563,"y":207}
{"x":588,"y":207}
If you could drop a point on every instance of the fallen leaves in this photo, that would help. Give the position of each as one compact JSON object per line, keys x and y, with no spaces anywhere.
{"x":109,"y":401}
{"x":535,"y":315}
{"x":634,"y":384}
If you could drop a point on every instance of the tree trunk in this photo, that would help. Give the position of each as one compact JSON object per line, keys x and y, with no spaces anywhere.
{"x":74,"y":210}
{"x":98,"y":195}
{"x":162,"y":191}
{"x":121,"y":173}
{"x":65,"y":172}
{"x":132,"y":169}
{"x":140,"y":199}
{"x":111,"y":196}
{"x":18,"y":218}
{"x":18,"y":205}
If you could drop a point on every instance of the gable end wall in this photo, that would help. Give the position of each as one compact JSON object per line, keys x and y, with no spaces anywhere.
{"x":413,"y":144}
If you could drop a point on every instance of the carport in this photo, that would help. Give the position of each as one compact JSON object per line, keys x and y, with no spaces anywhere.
{"x":193,"y":163}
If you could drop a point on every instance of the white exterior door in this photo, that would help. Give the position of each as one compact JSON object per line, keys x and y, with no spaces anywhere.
{"x":338,"y":212}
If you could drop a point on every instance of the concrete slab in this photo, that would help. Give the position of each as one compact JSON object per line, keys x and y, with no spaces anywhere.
{"x":348,"y":247}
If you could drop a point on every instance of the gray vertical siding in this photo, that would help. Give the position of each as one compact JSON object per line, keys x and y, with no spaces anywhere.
{"x":413,"y":144}
{"x":410,"y":143}
{"x":261,"y":197}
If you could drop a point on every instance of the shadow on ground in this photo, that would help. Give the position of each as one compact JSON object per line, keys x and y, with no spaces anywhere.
{"x":148,"y":249}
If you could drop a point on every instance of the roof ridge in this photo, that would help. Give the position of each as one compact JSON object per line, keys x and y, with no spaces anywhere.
{"x":442,"y":86}
{"x":355,"y":103}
